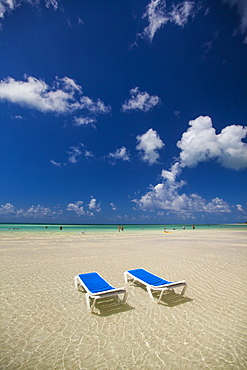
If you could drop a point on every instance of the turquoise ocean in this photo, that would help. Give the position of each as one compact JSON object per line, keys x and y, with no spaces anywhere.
{"x":99,"y":228}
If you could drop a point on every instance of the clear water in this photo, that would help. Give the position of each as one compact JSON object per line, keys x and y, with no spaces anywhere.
{"x":94,"y":228}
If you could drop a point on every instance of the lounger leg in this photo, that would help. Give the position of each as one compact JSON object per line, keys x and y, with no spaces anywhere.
{"x":161,"y":295}
{"x":150,"y":293}
{"x":76,"y":282}
{"x":126,"y":277}
{"x":184,"y":290}
{"x":87,"y":300}
{"x":125,"y":297}
{"x":93,"y":304}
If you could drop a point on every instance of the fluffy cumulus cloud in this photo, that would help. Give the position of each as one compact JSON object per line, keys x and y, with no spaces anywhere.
{"x":201,"y":143}
{"x":8,"y":209}
{"x":93,"y":205}
{"x":148,"y":144}
{"x":38,"y":211}
{"x":158,"y":15}
{"x":79,"y":210}
{"x":76,"y":207}
{"x":121,"y":153}
{"x":64,"y":96}
{"x":167,"y":196}
{"x":241,"y":7}
{"x":140,"y":101}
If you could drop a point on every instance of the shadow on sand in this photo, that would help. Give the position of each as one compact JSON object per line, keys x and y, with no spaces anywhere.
{"x":170,"y":297}
{"x":109,"y":306}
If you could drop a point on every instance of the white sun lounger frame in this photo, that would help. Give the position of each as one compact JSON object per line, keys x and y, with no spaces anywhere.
{"x":95,"y":296}
{"x":162,"y":288}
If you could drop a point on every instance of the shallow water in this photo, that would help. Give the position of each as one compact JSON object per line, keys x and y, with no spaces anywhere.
{"x":45,"y":322}
{"x":104,"y":228}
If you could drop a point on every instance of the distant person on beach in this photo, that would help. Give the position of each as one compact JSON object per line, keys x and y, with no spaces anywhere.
{"x":61,"y":227}
{"x":193,"y":227}
{"x":122,"y":228}
{"x":119,"y":228}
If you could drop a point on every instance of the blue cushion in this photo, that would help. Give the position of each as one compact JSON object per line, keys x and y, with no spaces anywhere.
{"x":94,"y":282}
{"x":149,"y":278}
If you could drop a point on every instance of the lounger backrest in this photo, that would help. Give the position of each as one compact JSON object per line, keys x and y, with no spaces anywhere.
{"x":94,"y":282}
{"x":148,"y":278}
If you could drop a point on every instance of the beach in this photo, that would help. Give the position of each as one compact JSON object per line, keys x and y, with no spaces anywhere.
{"x":45,"y":323}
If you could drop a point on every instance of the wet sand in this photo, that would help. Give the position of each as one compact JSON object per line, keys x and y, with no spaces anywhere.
{"x":45,"y":323}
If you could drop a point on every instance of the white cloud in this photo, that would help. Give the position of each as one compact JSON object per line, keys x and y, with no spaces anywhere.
{"x":148,"y":144}
{"x":17,"y":117}
{"x":79,"y":209}
{"x":140,"y":101}
{"x":10,"y":5}
{"x":52,"y":3}
{"x":60,"y":98}
{"x":217,"y":205}
{"x":74,"y":153}
{"x":167,"y":196}
{"x":33,"y":211}
{"x":76,"y":207}
{"x":97,"y":107}
{"x":181,"y":12}
{"x":34,"y":93}
{"x":201,"y":143}
{"x":114,"y":208}
{"x":241,"y":6}
{"x":240,"y":208}
{"x":171,"y":175}
{"x":121,"y":153}
{"x":88,"y":154}
{"x":157,"y":15}
{"x":93,"y":206}
{"x":55,"y":163}
{"x":7,"y":208}
{"x":39,"y":210}
{"x":7,"y":6}
{"x":84,"y":121}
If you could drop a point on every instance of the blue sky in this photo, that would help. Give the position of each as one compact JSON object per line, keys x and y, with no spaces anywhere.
{"x":123,"y":111}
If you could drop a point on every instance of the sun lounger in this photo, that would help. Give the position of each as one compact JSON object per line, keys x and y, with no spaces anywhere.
{"x":96,"y":288}
{"x":152,"y":282}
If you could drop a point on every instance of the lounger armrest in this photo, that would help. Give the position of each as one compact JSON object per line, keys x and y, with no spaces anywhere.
{"x":175,"y":284}
{"x":109,"y":292}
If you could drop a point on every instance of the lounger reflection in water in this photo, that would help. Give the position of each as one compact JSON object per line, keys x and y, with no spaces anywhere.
{"x":153,"y":283}
{"x":96,"y":288}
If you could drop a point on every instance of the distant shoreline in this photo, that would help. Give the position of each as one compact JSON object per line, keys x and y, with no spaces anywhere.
{"x":115,"y":224}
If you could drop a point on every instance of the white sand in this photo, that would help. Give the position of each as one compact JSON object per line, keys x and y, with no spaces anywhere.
{"x":45,"y":323}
